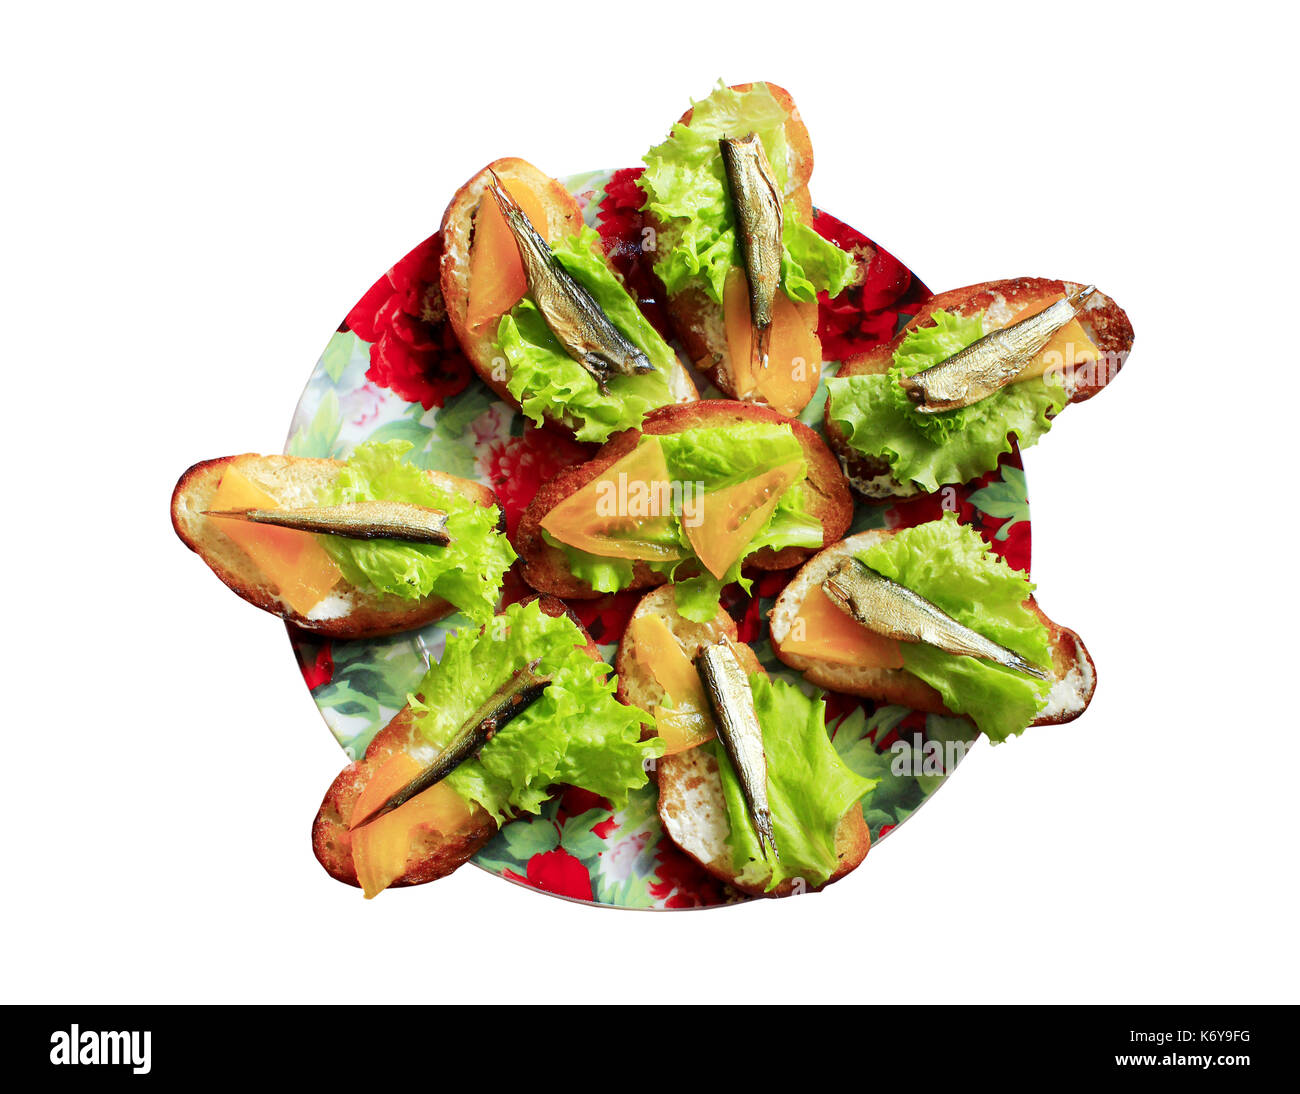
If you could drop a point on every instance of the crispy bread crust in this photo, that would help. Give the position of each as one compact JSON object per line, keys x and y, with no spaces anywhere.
{"x":545,"y":567}
{"x":564,"y":219}
{"x":691,"y":806}
{"x":1075,"y":675}
{"x":435,"y":855}
{"x":370,"y":614}
{"x":1104,"y":321}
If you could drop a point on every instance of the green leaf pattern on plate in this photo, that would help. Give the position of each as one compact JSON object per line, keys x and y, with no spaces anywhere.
{"x":1004,"y":498}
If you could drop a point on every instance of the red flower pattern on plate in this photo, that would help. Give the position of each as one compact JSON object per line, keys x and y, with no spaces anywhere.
{"x":681,"y":882}
{"x":517,"y":467}
{"x":575,"y":801}
{"x":320,"y":670}
{"x":556,"y":872}
{"x":606,"y":617}
{"x":866,"y":314}
{"x":1015,"y":548}
{"x":621,"y":225}
{"x":413,"y":350}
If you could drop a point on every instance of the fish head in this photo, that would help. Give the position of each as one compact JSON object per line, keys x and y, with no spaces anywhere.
{"x":932,"y":395}
{"x":839,"y":583}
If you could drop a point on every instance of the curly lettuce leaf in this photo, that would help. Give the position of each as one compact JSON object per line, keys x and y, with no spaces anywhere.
{"x":544,"y":378}
{"x":686,"y":188}
{"x":467,"y":572}
{"x":951,"y":566}
{"x":716,"y":457}
{"x":951,"y":447}
{"x":576,"y":733}
{"x":809,"y":788}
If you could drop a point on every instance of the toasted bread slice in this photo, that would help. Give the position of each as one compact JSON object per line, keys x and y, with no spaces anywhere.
{"x":691,"y":804}
{"x":563,"y":219}
{"x":696,"y":318}
{"x":545,"y":567}
{"x":1102,"y":319}
{"x":432,"y":855}
{"x":348,"y":612}
{"x":1074,"y":677}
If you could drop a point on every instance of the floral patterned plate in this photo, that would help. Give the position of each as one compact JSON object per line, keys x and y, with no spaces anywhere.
{"x":392,"y":370}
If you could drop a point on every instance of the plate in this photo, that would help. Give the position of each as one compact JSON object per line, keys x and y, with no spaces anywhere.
{"x":392,"y":371}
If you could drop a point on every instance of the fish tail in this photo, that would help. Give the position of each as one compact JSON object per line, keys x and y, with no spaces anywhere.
{"x":1028,"y":668}
{"x":766,"y":836}
{"x":599,"y":369}
{"x":1081,"y":297}
{"x":761,"y":345}
{"x":505,"y":201}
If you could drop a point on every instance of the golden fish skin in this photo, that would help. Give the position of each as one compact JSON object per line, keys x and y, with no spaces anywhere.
{"x":891,"y":609}
{"x":359,"y":520}
{"x":732,"y":701}
{"x":575,"y":319}
{"x":760,"y":224}
{"x":991,"y":363}
{"x":512,"y":698}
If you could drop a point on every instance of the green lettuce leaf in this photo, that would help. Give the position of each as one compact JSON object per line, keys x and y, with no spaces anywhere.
{"x":698,"y":598}
{"x":685,"y":186}
{"x":809,"y":788}
{"x":952,"y":447}
{"x":715,"y":457}
{"x":544,"y":378}
{"x":576,"y":733}
{"x":811,"y":263}
{"x":951,"y":566}
{"x":721,"y":457}
{"x":605,"y":575}
{"x":467,"y":572}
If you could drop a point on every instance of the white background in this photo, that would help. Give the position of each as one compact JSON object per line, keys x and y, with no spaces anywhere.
{"x":192,"y":201}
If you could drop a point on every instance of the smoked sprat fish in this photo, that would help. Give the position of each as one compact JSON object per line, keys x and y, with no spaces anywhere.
{"x":991,"y":363}
{"x":732,"y":701}
{"x":576,"y":320}
{"x":513,"y":697}
{"x":891,"y":609}
{"x":760,"y":223}
{"x":357,"y":520}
